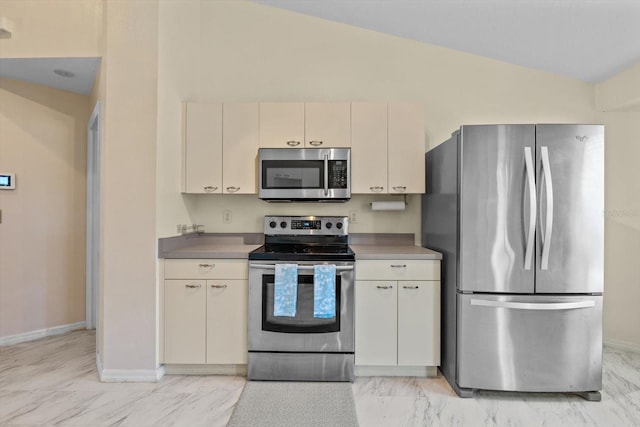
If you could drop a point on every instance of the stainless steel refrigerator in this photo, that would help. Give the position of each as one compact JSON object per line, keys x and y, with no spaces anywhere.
{"x":517,"y":212}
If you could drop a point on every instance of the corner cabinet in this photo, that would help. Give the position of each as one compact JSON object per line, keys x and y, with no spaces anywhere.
{"x":311,"y":124}
{"x":397,"y":318}
{"x":205,"y":311}
{"x":387,"y":148}
{"x":220,"y":147}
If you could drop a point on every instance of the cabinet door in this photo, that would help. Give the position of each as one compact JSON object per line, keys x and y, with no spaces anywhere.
{"x":185,"y":307}
{"x":240,"y":143}
{"x":327,"y":124}
{"x":368,"y":147}
{"x":418,"y":323}
{"x":227,"y":321}
{"x":376,"y":323}
{"x":202,"y":150}
{"x":406,"y":148}
{"x":282,"y":124}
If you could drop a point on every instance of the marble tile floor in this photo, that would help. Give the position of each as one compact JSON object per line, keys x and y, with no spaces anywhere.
{"x":53,"y":382}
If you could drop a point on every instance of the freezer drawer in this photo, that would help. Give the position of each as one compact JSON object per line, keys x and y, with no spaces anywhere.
{"x":529,"y":343}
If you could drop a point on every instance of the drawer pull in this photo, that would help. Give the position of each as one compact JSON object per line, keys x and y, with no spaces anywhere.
{"x":219,"y":286}
{"x":398,"y":265}
{"x":207,"y":265}
{"x":384,"y":287}
{"x":193,"y":286}
{"x":376,"y":189}
{"x":293,"y":143}
{"x":400,"y":188}
{"x":315,"y":143}
{"x":210,"y":188}
{"x":233,"y":189}
{"x":412,"y":287}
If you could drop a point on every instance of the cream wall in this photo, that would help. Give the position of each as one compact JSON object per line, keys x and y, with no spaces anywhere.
{"x":618,"y":106}
{"x":128,"y":247}
{"x":241,"y":51}
{"x":42,"y":234}
{"x":52,"y":28}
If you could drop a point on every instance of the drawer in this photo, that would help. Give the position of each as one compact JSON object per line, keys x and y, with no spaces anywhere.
{"x":397,"y":269}
{"x":206,"y":269}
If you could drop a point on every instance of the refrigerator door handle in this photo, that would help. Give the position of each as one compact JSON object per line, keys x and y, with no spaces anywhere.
{"x":528,"y":162}
{"x":546,"y":235}
{"x":534,"y":305}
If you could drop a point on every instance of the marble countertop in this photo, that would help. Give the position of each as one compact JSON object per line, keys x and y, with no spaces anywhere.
{"x":238,"y":245}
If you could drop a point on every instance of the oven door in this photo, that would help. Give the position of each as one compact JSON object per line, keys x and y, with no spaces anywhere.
{"x":304,"y":332}
{"x":304,"y":174}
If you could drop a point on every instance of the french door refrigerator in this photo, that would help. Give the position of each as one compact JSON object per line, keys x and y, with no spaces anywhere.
{"x":517,"y":212}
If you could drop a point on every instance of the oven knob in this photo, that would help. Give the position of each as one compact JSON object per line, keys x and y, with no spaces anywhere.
{"x":283,"y":224}
{"x":272,"y":224}
{"x":339,"y":225}
{"x":328,"y":225}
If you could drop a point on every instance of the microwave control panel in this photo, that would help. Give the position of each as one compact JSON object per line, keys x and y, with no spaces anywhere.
{"x":338,"y":174}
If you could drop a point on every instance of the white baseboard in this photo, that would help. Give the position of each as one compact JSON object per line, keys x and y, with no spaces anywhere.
{"x":128,"y":375}
{"x":623,"y":345}
{"x":41,"y":333}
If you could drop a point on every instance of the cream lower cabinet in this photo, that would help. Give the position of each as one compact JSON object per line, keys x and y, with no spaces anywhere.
{"x":205,"y":311}
{"x":397,"y":318}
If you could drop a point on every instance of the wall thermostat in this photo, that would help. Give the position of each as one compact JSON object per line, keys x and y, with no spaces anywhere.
{"x":7,"y":181}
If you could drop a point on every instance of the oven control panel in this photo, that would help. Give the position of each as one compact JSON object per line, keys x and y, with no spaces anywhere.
{"x":306,"y":225}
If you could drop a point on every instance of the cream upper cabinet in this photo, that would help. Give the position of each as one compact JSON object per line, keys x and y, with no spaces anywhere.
{"x":406,"y":148}
{"x":327,"y":124}
{"x":202,"y":148}
{"x":368,"y":147}
{"x":387,"y":148}
{"x":240,"y":143}
{"x":282,"y":124}
{"x":298,"y":125}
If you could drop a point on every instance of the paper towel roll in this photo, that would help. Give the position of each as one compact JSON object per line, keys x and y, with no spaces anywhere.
{"x":387,"y":206}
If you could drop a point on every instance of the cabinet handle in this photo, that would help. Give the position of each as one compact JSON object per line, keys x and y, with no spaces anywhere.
{"x":219,"y":286}
{"x":232,"y":189}
{"x":376,"y":189}
{"x":400,"y":188}
{"x":398,"y":265}
{"x":315,"y":143}
{"x":293,"y":143}
{"x":207,"y":265}
{"x":384,"y":287}
{"x":209,"y":188}
{"x":411,"y":287}
{"x":193,"y":286}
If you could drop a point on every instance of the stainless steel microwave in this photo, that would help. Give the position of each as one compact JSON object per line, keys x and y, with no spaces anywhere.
{"x":304,"y":174}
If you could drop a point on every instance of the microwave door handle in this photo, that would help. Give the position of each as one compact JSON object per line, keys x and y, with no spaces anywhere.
{"x":326,"y":175}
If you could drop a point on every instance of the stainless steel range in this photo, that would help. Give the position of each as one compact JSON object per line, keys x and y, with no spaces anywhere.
{"x":305,"y":343}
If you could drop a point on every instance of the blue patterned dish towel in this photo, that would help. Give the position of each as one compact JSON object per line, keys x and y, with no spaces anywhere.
{"x":324,"y":291}
{"x":285,"y":292}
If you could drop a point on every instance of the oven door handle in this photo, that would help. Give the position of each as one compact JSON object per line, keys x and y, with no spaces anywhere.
{"x":300,"y":267}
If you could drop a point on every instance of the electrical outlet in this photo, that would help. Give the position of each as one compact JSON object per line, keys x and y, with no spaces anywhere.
{"x":353,"y":217}
{"x":226,"y":217}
